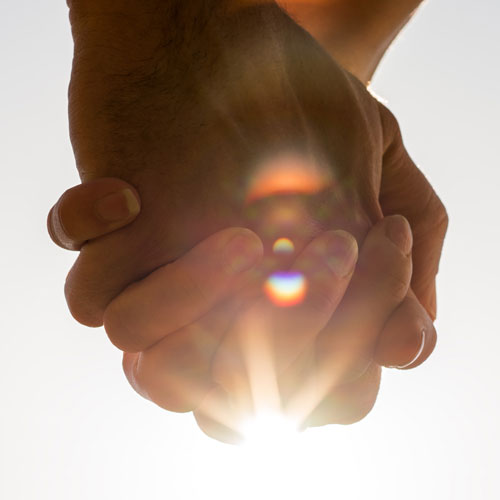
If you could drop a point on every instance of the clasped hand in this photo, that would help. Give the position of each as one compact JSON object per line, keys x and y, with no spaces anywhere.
{"x":185,"y":105}
{"x":201,"y":335}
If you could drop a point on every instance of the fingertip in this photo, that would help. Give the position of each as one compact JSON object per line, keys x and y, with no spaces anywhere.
{"x":242,"y":250}
{"x":349,"y":403}
{"x":216,"y":430}
{"x":408,"y":337}
{"x":119,"y":327}
{"x":129,"y":365}
{"x":427,"y":348}
{"x":57,"y":232}
{"x":90,"y":210}
{"x":398,"y":231}
{"x":429,"y":300}
{"x":339,"y":250}
{"x":81,"y":307}
{"x":217,"y":419}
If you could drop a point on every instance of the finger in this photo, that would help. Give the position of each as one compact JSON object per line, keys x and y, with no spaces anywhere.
{"x":344,"y":349}
{"x":217,"y":419}
{"x":404,"y":190}
{"x":408,"y":338}
{"x":129,"y":365}
{"x":176,"y":372}
{"x":348,"y":403}
{"x":177,"y":294}
{"x":326,"y":265}
{"x":273,"y":331}
{"x":90,"y":210}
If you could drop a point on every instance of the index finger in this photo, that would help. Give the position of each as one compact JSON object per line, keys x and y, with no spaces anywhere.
{"x":181,"y":292}
{"x":273,"y":331}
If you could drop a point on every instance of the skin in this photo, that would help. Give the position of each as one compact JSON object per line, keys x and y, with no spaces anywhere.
{"x":125,"y":138}
{"x":176,"y":373}
{"x":356,"y":33}
{"x":327,"y":118}
{"x":216,"y":138}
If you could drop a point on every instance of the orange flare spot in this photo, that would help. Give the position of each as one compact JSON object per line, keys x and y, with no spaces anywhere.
{"x":286,"y":175}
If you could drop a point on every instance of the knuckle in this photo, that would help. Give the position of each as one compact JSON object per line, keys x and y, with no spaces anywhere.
{"x":397,"y":282}
{"x":358,"y":410}
{"x":322,"y":300}
{"x":190,"y":288}
{"x":434,"y":217}
{"x":162,"y":385}
{"x":63,"y":215}
{"x":338,"y":410}
{"x":78,"y":297}
{"x":118,"y":326}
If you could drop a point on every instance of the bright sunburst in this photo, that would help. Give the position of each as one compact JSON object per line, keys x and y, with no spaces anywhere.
{"x":269,"y":431}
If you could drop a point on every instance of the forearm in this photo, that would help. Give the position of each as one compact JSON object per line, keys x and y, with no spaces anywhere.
{"x":356,"y":33}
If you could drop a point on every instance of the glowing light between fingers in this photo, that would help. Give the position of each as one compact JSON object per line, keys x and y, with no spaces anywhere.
{"x":283,"y":246}
{"x":286,"y":289}
{"x":268,"y":431}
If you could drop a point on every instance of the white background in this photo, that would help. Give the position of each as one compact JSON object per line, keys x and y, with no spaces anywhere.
{"x":70,"y":426}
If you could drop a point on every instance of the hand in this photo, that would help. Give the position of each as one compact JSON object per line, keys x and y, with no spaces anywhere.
{"x":250,"y":85}
{"x":176,"y":372}
{"x":315,"y":361}
{"x":93,"y":289}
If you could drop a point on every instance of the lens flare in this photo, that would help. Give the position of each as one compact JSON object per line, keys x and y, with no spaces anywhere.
{"x":286,"y":289}
{"x":287,"y":173}
{"x":283,"y":246}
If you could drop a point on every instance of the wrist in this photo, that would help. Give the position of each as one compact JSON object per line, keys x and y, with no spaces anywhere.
{"x":356,"y":33}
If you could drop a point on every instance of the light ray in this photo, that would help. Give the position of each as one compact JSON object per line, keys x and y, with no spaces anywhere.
{"x":315,"y":388}
{"x":258,"y":354}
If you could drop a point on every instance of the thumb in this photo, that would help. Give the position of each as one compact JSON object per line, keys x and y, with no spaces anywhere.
{"x":90,"y":210}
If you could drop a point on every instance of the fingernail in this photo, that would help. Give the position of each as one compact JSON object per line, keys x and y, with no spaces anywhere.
{"x":419,"y":352}
{"x":117,"y":207}
{"x":342,"y":253}
{"x":398,"y":230}
{"x":243,"y":252}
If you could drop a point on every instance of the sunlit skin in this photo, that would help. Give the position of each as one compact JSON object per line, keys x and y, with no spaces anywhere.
{"x":202,"y":213}
{"x":355,"y":32}
{"x":91,"y":286}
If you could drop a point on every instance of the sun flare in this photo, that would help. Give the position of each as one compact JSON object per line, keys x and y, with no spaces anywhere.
{"x":269,"y":431}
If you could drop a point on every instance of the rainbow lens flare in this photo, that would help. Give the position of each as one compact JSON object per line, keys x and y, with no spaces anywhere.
{"x":283,"y":246}
{"x":286,"y":288}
